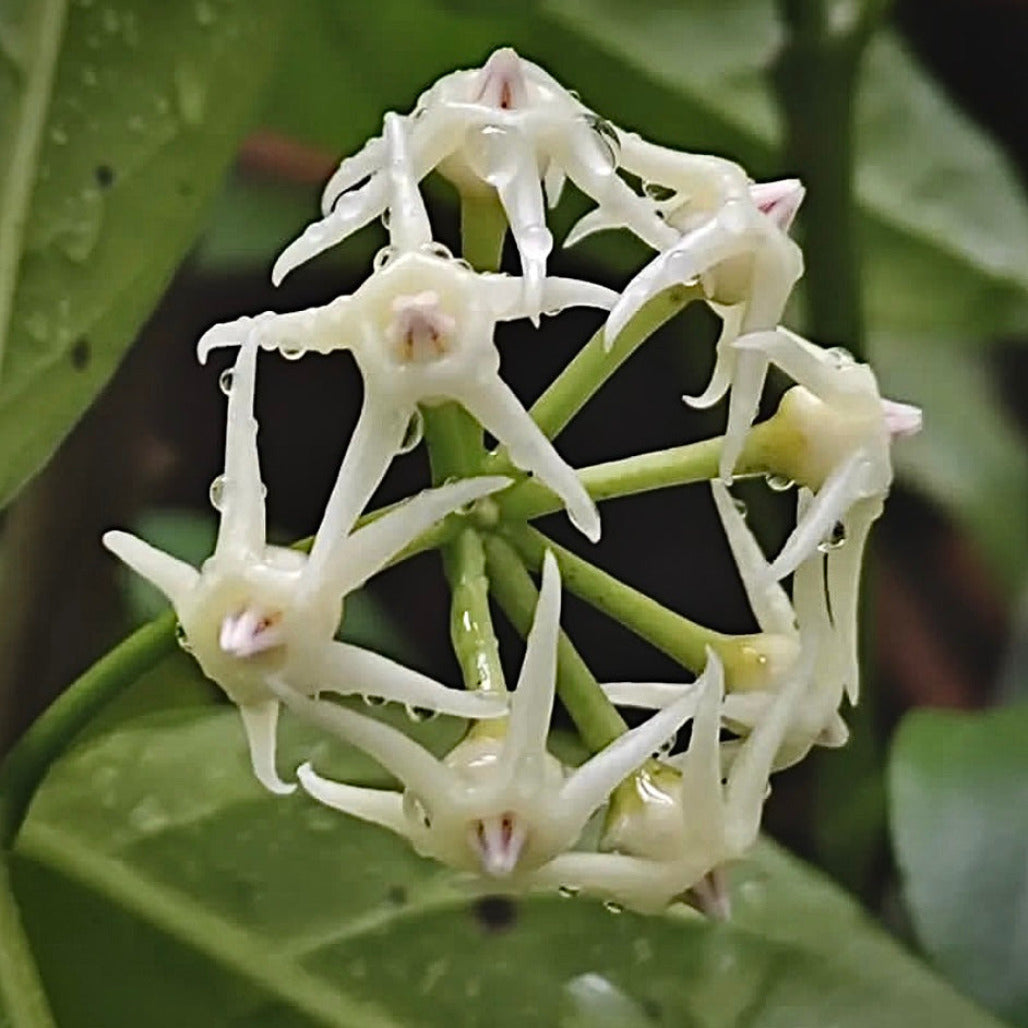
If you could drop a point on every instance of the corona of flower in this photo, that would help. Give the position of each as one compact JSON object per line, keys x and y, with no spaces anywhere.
{"x":254,"y":611}
{"x":507,"y":127}
{"x":499,"y":804}
{"x":674,"y":822}
{"x":421,"y":328}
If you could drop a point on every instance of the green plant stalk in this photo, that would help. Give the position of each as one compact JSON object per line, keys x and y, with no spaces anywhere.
{"x":595,"y":717}
{"x":681,"y":639}
{"x":454,"y":441}
{"x":816,"y":76}
{"x":471,"y":624}
{"x":661,"y":469}
{"x":23,"y":1002}
{"x":576,"y":385}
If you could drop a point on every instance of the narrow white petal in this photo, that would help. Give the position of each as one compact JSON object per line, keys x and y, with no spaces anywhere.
{"x":241,"y":530}
{"x":532,"y":704}
{"x":591,"y":784}
{"x":401,"y":756}
{"x":175,"y":578}
{"x":800,"y":359}
{"x":353,"y":211}
{"x":560,"y":293}
{"x":593,"y":171}
{"x":647,"y":695}
{"x":779,"y":200}
{"x":636,"y":882}
{"x":829,"y":506}
{"x":843,"y":572}
{"x":378,"y":806}
{"x":747,"y":386}
{"x":370,"y":548}
{"x":347,"y":670}
{"x":553,"y":183}
{"x":599,"y":219}
{"x":368,"y":160}
{"x":651,"y":280}
{"x":375,"y":441}
{"x":768,"y":600}
{"x":748,"y":778}
{"x":261,"y":721}
{"x":724,"y":364}
{"x":499,"y":411}
{"x":409,"y":226}
{"x":701,"y":765}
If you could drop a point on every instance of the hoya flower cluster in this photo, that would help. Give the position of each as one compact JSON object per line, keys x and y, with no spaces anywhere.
{"x":631,"y":823}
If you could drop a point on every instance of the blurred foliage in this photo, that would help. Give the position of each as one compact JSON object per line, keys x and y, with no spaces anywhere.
{"x":959,"y":810}
{"x":151,"y":850}
{"x":118,"y":120}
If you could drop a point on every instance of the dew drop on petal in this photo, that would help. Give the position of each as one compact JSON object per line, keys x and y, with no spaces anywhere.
{"x":568,"y":891}
{"x":607,"y":136}
{"x":840,"y":356}
{"x":373,"y":701}
{"x":834,"y":540}
{"x":216,"y":493}
{"x":440,"y":250}
{"x":779,"y":483}
{"x":291,"y":353}
{"x":383,"y":257}
{"x":613,"y":907}
{"x":420,"y":714}
{"x":225,"y":381}
{"x":656,"y":191}
{"x":740,"y":506}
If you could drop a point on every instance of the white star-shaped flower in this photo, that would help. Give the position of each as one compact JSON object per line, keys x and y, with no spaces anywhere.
{"x":255,"y":611}
{"x":499,"y":804}
{"x":687,"y":816}
{"x":732,"y":238}
{"x":508,"y":126}
{"x":421,"y":329}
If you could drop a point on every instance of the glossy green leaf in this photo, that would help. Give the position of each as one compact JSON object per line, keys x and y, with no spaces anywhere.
{"x":116,"y":121}
{"x":160,"y":883}
{"x":959,"y":810}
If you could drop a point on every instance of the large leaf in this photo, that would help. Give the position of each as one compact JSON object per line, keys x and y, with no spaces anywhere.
{"x":116,"y":121}
{"x":160,"y":883}
{"x":959,"y":798}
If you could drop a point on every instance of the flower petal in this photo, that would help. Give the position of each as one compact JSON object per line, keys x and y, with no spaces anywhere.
{"x":747,"y":386}
{"x":261,"y":721}
{"x":768,"y":600}
{"x":365,"y":552}
{"x":401,"y":756}
{"x":347,"y":670}
{"x":175,"y":578}
{"x":409,"y":227}
{"x":367,"y":161}
{"x":589,"y":785}
{"x":241,"y":530}
{"x":647,"y":695}
{"x":724,"y":365}
{"x":531,"y":707}
{"x":378,"y":806}
{"x":500,"y":412}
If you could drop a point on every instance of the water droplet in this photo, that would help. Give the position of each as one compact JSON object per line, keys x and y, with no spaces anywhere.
{"x":373,"y":701}
{"x":414,"y":432}
{"x":291,"y":353}
{"x":216,"y":493}
{"x":665,"y":748}
{"x":414,"y":808}
{"x":613,"y":907}
{"x":607,"y":136}
{"x":58,"y":135}
{"x":149,"y":816}
{"x":383,"y":257}
{"x":387,"y":215}
{"x":835,"y":539}
{"x":658,"y":192}
{"x":181,"y":638}
{"x":779,"y":483}
{"x":75,"y":228}
{"x":568,"y":891}
{"x":225,"y":381}
{"x":740,"y":506}
{"x":440,"y":250}
{"x":536,"y":242}
{"x":190,"y":95}
{"x":420,"y":714}
{"x":840,"y":356}
{"x":204,"y":13}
